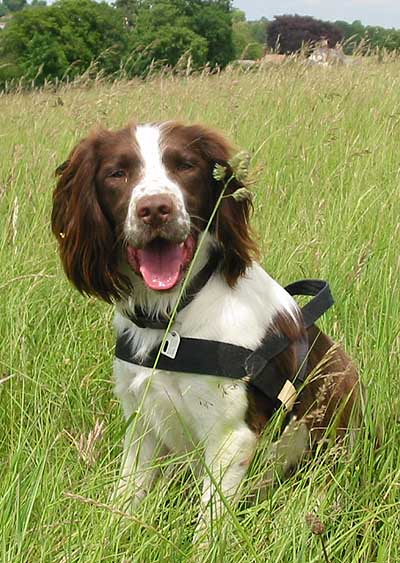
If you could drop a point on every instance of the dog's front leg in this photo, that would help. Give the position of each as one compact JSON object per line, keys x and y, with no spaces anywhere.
{"x":139,"y":470}
{"x":227,"y":459}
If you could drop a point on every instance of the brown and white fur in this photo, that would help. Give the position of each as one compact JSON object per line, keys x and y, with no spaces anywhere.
{"x":117,"y":194}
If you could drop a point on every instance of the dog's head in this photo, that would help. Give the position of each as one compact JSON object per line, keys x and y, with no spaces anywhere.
{"x":140,"y":197}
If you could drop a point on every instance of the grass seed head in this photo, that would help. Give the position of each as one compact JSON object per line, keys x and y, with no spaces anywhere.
{"x":240,"y":165}
{"x":219,"y":172}
{"x":315,"y":524}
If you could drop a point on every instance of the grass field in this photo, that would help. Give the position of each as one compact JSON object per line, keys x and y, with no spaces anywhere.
{"x":326,"y":158}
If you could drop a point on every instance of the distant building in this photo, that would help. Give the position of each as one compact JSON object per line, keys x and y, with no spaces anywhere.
{"x":324,"y":55}
{"x":4,"y":20}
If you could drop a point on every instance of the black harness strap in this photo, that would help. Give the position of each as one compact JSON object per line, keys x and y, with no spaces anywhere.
{"x":264,"y":375}
{"x":321,"y":302}
{"x":194,"y":355}
{"x":209,"y":357}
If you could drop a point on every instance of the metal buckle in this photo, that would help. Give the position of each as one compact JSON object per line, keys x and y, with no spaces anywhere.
{"x":171,"y":344}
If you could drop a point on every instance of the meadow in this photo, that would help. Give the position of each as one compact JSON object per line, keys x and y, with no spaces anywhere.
{"x":326,"y":168}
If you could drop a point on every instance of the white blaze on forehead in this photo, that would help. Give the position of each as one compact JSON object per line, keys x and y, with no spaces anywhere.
{"x":154,"y":179}
{"x":148,"y":139}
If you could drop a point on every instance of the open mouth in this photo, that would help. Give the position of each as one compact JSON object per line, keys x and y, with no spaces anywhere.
{"x":161,"y":262}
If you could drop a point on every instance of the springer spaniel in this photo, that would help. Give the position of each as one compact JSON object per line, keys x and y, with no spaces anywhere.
{"x":130,"y":208}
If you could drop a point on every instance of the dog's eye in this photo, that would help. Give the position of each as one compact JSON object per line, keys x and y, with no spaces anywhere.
{"x":185,"y":165}
{"x":117,"y":174}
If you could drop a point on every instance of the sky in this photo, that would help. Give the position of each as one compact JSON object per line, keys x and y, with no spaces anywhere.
{"x":385,"y":13}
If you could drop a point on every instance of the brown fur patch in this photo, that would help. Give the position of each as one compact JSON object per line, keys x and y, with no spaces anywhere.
{"x":331,"y":390}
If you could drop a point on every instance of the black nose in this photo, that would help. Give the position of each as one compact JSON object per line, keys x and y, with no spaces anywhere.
{"x":155,"y":210}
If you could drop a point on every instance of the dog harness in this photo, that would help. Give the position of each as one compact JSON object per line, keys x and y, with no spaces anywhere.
{"x":209,"y":357}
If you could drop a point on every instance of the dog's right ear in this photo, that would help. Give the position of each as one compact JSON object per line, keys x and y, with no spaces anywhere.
{"x":86,"y":240}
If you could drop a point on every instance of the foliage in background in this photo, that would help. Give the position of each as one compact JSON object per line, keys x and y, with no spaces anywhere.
{"x":166,"y":30}
{"x":12,"y":5}
{"x":249,"y":38}
{"x":64,"y":39}
{"x":356,"y":33}
{"x":289,"y":34}
{"x":43,"y":42}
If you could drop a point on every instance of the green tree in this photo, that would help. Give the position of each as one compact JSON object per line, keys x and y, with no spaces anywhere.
{"x":382,"y":38}
{"x":353,"y":33}
{"x":247,"y":40}
{"x":373,"y":36}
{"x":238,"y":16}
{"x":161,"y":33}
{"x":64,"y":38}
{"x":130,"y":9}
{"x":244,"y":44}
{"x":393,"y":40}
{"x":258,"y":29}
{"x":166,"y":47}
{"x":15,"y":5}
{"x":357,"y":29}
{"x":164,"y":30}
{"x":213,"y":21}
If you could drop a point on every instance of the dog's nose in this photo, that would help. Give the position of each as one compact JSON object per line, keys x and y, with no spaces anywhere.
{"x":155,"y":210}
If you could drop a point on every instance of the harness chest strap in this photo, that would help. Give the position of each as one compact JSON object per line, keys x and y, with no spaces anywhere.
{"x":210,"y":357}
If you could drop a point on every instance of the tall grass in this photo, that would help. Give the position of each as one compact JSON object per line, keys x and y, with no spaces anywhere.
{"x":325,"y":145}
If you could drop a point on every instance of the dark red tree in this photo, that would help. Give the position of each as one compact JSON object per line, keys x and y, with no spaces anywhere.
{"x":287,"y":34}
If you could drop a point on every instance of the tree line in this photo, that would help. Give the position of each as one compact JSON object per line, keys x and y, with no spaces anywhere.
{"x":64,"y":39}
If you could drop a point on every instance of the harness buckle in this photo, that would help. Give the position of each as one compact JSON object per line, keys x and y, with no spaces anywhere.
{"x":171,"y":344}
{"x":288,"y":395}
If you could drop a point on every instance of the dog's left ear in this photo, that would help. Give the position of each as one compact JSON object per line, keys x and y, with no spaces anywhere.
{"x":231,"y":227}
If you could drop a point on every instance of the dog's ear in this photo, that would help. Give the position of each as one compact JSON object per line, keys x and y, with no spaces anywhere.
{"x":234,"y":233}
{"x":86,"y":239}
{"x":231,"y":227}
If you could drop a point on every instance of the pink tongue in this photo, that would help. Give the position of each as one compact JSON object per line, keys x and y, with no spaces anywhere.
{"x":160,"y":264}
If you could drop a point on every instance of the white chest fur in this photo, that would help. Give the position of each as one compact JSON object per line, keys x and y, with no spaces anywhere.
{"x":183,"y":410}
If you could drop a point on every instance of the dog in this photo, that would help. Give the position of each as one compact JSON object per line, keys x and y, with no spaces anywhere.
{"x":131,"y":209}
